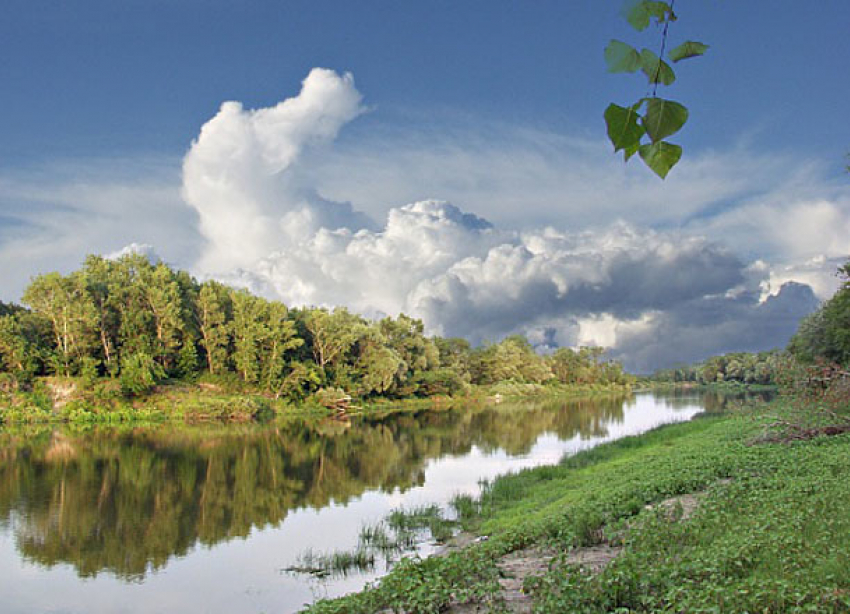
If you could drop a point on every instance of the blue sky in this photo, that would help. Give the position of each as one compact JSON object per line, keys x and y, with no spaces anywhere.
{"x":103,"y":77}
{"x":493,"y":106}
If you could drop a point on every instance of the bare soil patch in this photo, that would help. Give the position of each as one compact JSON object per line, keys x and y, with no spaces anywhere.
{"x":533,"y":562}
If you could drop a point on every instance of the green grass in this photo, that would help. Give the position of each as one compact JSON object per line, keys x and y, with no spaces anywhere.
{"x":771,"y":533}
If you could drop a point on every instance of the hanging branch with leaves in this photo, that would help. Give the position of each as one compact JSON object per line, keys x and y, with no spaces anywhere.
{"x":643,"y":127}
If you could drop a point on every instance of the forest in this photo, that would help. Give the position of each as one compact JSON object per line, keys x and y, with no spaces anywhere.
{"x":130,"y":324}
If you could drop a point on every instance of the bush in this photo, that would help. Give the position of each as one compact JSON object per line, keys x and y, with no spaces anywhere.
{"x":139,"y":374}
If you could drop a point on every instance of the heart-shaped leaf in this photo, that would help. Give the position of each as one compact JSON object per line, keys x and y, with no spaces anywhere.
{"x":621,"y":57}
{"x":623,"y":128}
{"x":656,"y":69}
{"x":660,"y":157}
{"x":663,"y":118}
{"x":639,"y":13}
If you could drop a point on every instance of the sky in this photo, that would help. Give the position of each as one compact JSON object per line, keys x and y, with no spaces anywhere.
{"x":443,"y":159}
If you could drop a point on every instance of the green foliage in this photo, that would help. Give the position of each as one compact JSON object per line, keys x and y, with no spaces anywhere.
{"x":825,"y":334}
{"x":65,"y":303}
{"x":113,"y":317}
{"x":765,"y":542}
{"x":763,"y":537}
{"x":624,"y":131}
{"x":621,"y":57}
{"x":639,"y":13}
{"x":744,"y":368}
{"x":211,"y":314}
{"x":663,"y":118}
{"x":626,"y":126}
{"x":688,"y":49}
{"x":24,"y":345}
{"x":660,"y":156}
{"x":187,"y":361}
{"x":512,"y":359}
{"x":88,"y":371}
{"x":656,"y":69}
{"x":139,"y":374}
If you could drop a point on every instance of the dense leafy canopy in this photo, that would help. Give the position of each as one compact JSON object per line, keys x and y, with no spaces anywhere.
{"x":825,"y":334}
{"x":762,"y":368}
{"x":141,"y":323}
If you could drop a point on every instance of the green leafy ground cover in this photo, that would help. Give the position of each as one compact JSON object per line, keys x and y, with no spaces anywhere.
{"x":770,"y":533}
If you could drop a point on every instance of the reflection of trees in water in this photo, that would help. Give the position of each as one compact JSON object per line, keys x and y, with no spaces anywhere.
{"x":712,"y":401}
{"x":127,"y":501}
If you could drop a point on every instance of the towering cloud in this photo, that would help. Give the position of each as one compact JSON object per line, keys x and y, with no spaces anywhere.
{"x":654,"y":297}
{"x":237,"y":173}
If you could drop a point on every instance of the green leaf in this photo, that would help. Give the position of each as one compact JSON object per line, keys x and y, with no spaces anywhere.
{"x":656,"y":69}
{"x":639,"y":13}
{"x":623,"y":129}
{"x":688,"y":49}
{"x":660,"y":157}
{"x":621,"y":57}
{"x":663,"y":118}
{"x":659,"y":10}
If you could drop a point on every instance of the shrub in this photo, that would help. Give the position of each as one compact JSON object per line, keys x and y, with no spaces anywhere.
{"x":139,"y":374}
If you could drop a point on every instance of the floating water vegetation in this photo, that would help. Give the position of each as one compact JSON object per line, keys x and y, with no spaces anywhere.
{"x":336,"y":564}
{"x":466,"y":508}
{"x":397,"y":534}
{"x":426,"y":518}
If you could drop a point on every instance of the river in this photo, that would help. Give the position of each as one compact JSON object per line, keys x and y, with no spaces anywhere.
{"x":207,"y":518}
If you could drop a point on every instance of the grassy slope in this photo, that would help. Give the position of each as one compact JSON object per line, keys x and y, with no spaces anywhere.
{"x":773,"y":539}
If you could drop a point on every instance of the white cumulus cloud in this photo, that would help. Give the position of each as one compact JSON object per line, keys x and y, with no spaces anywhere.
{"x":535,"y":233}
{"x":235,"y":174}
{"x":270,"y":225}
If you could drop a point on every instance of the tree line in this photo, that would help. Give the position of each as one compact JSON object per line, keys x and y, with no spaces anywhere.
{"x":142,"y":322}
{"x":759,"y":368}
{"x":823,"y":337}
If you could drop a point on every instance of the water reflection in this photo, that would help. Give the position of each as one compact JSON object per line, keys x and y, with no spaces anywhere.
{"x":205,"y":518}
{"x":127,"y":501}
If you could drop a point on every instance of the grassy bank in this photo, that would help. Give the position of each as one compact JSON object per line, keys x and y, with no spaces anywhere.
{"x":769,"y":533}
{"x":75,"y":400}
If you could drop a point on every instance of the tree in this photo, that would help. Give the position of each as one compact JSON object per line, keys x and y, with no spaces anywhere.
{"x":512,"y":359}
{"x":248,"y":328}
{"x":825,"y":334}
{"x":279,"y":341}
{"x":405,"y":336}
{"x":161,"y":294}
{"x":65,"y":302}
{"x":98,"y":273}
{"x":127,"y":298}
{"x":377,"y":365}
{"x":212,"y":311}
{"x":332,"y":334}
{"x":24,"y":344}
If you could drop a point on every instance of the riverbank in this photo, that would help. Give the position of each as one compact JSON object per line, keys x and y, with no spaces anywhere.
{"x":73,"y":400}
{"x":717,"y":514}
{"x":730,"y":387}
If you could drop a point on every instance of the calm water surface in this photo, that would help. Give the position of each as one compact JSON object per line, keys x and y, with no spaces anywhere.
{"x":204,"y":519}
